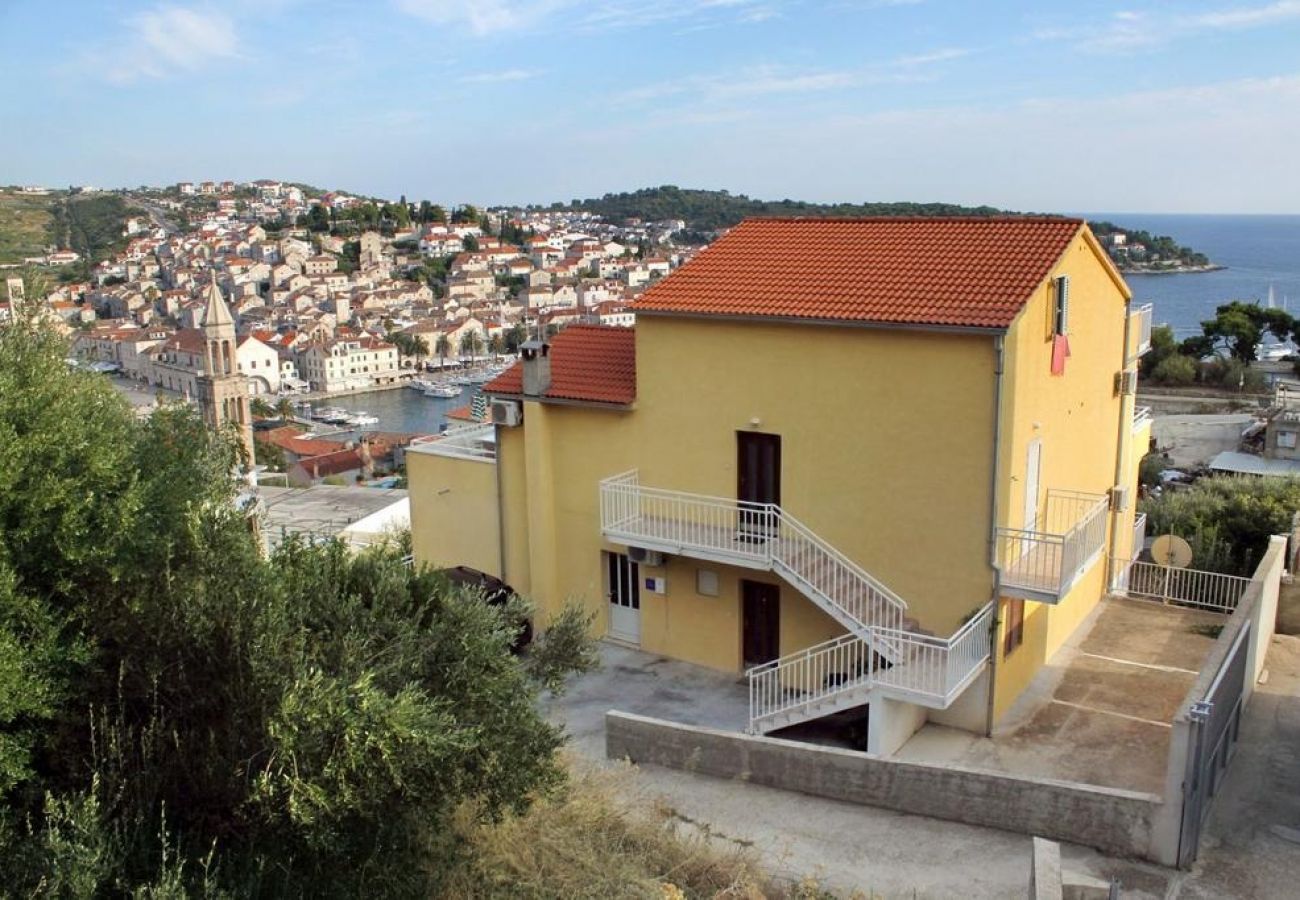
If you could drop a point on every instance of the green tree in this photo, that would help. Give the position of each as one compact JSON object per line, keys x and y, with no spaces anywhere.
{"x":1238,"y":327}
{"x":261,"y":408}
{"x":470,"y":243}
{"x":1226,"y":519}
{"x":284,"y":409}
{"x":304,"y":725}
{"x":471,"y":342}
{"x":442,"y":347}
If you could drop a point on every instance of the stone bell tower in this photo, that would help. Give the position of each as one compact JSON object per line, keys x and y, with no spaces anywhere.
{"x":222,"y":391}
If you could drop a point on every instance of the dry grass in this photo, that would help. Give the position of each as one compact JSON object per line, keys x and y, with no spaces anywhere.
{"x":24,"y":225}
{"x":601,"y":838}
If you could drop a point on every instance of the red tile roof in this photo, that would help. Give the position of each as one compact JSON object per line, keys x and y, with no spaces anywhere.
{"x":592,"y":363}
{"x":966,"y":272}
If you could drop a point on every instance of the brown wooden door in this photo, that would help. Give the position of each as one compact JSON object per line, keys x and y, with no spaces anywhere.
{"x":760,"y":622}
{"x":758,"y":476}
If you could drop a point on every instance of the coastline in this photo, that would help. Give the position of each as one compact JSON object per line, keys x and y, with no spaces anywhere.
{"x":1172,"y":270}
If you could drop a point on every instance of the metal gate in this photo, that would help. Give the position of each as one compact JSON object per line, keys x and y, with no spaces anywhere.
{"x":1215,"y":729}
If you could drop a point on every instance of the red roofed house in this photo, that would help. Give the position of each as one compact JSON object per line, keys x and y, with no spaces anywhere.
{"x":876,"y":464}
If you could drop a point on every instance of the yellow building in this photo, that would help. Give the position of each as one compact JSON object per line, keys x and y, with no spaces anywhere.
{"x":872,"y":462}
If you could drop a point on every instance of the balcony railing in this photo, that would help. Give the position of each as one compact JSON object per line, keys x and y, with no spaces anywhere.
{"x":473,"y":442}
{"x":755,"y":535}
{"x":1140,"y":331}
{"x":1141,"y":417}
{"x":1044,"y":563}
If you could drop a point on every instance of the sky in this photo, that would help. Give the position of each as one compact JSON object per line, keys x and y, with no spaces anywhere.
{"x":1045,"y":106}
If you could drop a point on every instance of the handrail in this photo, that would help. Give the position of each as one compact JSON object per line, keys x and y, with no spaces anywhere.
{"x":934,"y":667}
{"x":808,"y":534}
{"x":807,"y":556}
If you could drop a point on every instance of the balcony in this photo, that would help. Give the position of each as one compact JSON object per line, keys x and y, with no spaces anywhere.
{"x":1139,"y":331}
{"x":1141,"y":418}
{"x":1044,"y":563}
{"x":472,"y":442}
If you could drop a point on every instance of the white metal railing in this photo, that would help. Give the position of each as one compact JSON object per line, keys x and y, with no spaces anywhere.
{"x":1141,"y":416}
{"x":812,"y":675}
{"x":1140,"y":330}
{"x":473,"y":442}
{"x":928,"y":668}
{"x":939,"y":667}
{"x":1183,"y":587}
{"x":754,"y":533}
{"x":765,"y":535}
{"x":1139,"y":535}
{"x":1048,"y":561}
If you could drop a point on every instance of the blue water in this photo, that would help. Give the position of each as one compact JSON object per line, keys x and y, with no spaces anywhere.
{"x":1258,"y":250}
{"x":401,"y":409}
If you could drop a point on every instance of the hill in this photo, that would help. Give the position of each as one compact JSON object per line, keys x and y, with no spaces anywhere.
{"x":25,"y":221}
{"x":711,"y":210}
{"x":706,"y":212}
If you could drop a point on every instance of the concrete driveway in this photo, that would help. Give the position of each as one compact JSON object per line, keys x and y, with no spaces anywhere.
{"x":846,"y":846}
{"x":1101,"y":711}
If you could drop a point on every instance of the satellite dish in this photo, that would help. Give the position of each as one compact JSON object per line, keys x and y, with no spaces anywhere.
{"x":1171,"y":550}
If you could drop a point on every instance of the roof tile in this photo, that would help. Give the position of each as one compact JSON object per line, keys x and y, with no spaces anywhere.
{"x":966,"y":272}
{"x":592,"y":363}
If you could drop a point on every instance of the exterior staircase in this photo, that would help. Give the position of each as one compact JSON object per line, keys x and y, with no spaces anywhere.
{"x":884,"y":649}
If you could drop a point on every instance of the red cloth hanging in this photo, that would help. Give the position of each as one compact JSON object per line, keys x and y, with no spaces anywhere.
{"x":1060,"y":352}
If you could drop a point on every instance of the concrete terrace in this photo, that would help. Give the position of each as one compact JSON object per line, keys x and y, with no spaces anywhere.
{"x":1100,"y":712}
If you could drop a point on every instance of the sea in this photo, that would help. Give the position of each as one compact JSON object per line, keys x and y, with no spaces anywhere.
{"x":1258,"y":253}
{"x":403,"y":410}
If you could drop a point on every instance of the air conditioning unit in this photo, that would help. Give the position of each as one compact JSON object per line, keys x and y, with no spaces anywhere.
{"x":1119,"y":498}
{"x":645,"y":557}
{"x":1126,"y":382}
{"x":507,"y":412}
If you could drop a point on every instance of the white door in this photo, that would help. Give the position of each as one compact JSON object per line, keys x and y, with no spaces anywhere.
{"x":622,"y":585}
{"x":1032,"y":466}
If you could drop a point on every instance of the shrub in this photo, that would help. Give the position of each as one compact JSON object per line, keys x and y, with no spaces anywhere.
{"x":1227,"y":520}
{"x":1233,"y":375}
{"x":1175,"y":369}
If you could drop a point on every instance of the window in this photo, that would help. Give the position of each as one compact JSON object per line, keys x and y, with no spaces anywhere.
{"x":1015,"y":633}
{"x":1286,"y":440}
{"x":1061,"y":305}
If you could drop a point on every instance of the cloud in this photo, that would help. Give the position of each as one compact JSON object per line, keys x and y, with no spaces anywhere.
{"x":484,"y":18}
{"x":1132,"y":30}
{"x":500,"y":77}
{"x":767,"y":80}
{"x":169,"y":39}
{"x":1249,"y":16}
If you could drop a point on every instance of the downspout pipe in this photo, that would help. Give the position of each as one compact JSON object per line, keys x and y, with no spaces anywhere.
{"x":1124,"y":435}
{"x":501,"y":507}
{"x":999,"y":372}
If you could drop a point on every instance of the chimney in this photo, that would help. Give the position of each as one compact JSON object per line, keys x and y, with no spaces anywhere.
{"x":537,"y":367}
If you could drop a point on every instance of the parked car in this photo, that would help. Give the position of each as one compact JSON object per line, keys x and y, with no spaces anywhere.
{"x":495,"y":591}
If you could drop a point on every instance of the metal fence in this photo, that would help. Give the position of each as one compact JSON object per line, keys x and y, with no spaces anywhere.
{"x":1181,"y":587}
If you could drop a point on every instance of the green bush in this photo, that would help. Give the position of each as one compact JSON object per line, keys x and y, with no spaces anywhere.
{"x":1227,"y":520}
{"x":180,"y":716}
{"x":1175,"y":370}
{"x":1233,"y":375}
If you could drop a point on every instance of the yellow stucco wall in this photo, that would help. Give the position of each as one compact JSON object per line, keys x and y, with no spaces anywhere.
{"x":453,"y":512}
{"x":1076,"y":418}
{"x":883,"y":433}
{"x":887,"y":445}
